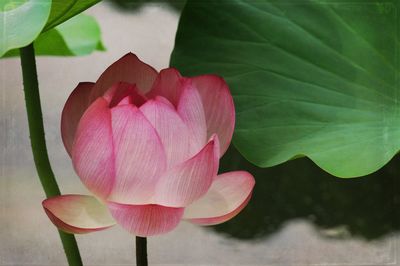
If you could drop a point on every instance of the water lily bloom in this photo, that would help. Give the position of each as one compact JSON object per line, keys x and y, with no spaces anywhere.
{"x":147,"y":146}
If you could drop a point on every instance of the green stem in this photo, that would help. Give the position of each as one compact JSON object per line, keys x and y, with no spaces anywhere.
{"x":141,"y":251}
{"x":38,"y":143}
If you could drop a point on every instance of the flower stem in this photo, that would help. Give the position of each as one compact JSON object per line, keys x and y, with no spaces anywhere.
{"x":38,"y":143}
{"x":141,"y":251}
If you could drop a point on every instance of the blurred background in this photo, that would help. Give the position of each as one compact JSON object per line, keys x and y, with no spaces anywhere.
{"x":299,"y":215}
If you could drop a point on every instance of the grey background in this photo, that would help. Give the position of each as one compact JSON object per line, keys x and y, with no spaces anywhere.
{"x":27,"y":237}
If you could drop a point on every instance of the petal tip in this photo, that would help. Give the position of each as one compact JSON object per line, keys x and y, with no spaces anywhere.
{"x":129,"y":54}
{"x":170,"y":70}
{"x":85,"y":83}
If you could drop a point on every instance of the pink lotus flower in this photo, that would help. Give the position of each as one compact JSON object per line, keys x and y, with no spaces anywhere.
{"x":147,"y":145}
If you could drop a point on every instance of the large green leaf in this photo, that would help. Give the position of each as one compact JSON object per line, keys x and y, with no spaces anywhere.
{"x":62,"y":10}
{"x":21,"y":22}
{"x":78,"y":36}
{"x":309,"y":78}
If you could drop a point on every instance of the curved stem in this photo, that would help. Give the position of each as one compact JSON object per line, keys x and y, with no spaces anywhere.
{"x":38,"y":143}
{"x":141,"y":251}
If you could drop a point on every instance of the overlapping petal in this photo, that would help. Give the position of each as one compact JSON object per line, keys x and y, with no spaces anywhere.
{"x":78,"y":214}
{"x":216,"y":99}
{"x":74,"y":108}
{"x":127,"y":69}
{"x":139,"y":156}
{"x":122,"y":90}
{"x":228,"y":195}
{"x":188,"y":181}
{"x":190,"y":108}
{"x":138,"y":141}
{"x":169,"y":84}
{"x":146,"y":220}
{"x":218,"y":107}
{"x":173,"y":132}
{"x":93,"y":149}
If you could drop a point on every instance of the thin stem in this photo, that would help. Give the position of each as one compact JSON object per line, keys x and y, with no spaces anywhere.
{"x":141,"y":251}
{"x":38,"y":143}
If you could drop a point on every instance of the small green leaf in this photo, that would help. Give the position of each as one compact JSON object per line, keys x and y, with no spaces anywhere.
{"x":78,"y":36}
{"x":309,"y":78}
{"x":62,"y":10}
{"x":21,"y":22}
{"x":81,"y":34}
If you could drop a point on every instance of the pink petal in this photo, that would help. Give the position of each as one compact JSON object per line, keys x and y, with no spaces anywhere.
{"x":122,"y":90}
{"x":164,"y":100}
{"x":92,"y":151}
{"x":74,"y":108}
{"x":146,"y":220}
{"x":228,"y":195}
{"x":139,"y":156}
{"x":218,"y":106}
{"x":78,"y":214}
{"x":173,"y":132}
{"x":190,"y":108}
{"x":125,"y":101}
{"x":169,"y":84}
{"x":127,"y":69}
{"x":190,"y":180}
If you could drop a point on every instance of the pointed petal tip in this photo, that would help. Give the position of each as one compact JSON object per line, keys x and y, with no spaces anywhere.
{"x":165,"y":101}
{"x":169,"y":71}
{"x":120,"y":90}
{"x":85,"y":83}
{"x":169,"y":84}
{"x":128,"y":68}
{"x":130,"y":54}
{"x":214,"y":139}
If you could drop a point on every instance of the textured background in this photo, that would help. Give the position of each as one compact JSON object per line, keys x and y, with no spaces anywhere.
{"x":28,"y":238}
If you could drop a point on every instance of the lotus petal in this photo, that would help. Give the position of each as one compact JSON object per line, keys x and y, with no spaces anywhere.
{"x":218,"y":107}
{"x":78,"y":214}
{"x":228,"y":195}
{"x":121,"y":90}
{"x":188,"y":181}
{"x":190,"y":108}
{"x":169,"y":84}
{"x":93,"y":150}
{"x":74,"y":108}
{"x":139,"y":156}
{"x":127,"y":69}
{"x":146,"y":220}
{"x":173,"y":132}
